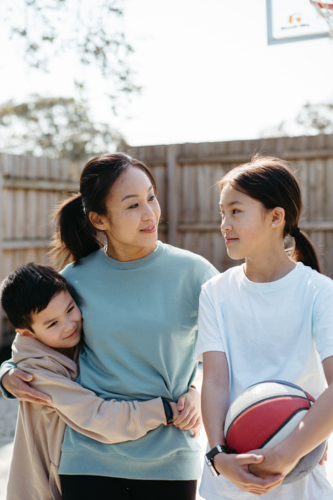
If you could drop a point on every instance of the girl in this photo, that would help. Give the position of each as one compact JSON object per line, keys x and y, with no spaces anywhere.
{"x":139,"y":300}
{"x":271,"y":318}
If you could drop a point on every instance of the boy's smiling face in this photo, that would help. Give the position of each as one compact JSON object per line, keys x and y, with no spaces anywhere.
{"x":59,"y":325}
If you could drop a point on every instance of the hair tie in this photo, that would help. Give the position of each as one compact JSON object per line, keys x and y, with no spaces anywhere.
{"x":295,"y":232}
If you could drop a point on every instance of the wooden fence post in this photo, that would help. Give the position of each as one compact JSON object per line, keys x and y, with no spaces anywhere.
{"x":172,"y":194}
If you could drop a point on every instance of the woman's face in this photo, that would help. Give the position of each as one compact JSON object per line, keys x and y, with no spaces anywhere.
{"x":132,"y":212}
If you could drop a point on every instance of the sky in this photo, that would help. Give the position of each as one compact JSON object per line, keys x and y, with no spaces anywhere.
{"x":206,"y":70}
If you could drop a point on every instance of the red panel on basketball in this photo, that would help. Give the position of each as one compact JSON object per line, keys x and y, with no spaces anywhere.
{"x":252,"y":428}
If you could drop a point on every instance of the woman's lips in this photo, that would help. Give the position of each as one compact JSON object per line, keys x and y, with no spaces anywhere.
{"x":150,"y":229}
{"x":230,"y":240}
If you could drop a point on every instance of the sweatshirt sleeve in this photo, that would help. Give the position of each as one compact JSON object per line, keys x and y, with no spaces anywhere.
{"x":5,"y":367}
{"x":105,"y":421}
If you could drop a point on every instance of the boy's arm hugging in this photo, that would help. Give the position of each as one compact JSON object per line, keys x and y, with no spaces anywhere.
{"x":215,"y":403}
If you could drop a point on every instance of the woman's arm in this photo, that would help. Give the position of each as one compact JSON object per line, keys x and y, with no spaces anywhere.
{"x":215,"y":403}
{"x":315,"y":427}
{"x":15,"y":383}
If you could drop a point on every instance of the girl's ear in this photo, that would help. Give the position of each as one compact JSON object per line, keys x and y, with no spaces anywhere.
{"x":278,"y":217}
{"x":98,"y":221}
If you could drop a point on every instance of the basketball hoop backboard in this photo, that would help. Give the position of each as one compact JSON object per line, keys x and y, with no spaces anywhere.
{"x":292,"y":21}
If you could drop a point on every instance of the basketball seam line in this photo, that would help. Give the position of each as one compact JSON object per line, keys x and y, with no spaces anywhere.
{"x":262,"y":401}
{"x":281,"y":426}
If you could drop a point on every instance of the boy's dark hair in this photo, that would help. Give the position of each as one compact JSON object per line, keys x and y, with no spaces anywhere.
{"x":29,"y":290}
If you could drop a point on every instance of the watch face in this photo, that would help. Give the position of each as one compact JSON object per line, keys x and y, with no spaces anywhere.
{"x":211,"y":467}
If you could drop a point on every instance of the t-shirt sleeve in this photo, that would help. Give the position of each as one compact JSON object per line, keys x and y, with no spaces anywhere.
{"x":209,"y":335}
{"x":323,"y":321}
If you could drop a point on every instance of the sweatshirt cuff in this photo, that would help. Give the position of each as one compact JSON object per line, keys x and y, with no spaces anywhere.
{"x":152,"y":414}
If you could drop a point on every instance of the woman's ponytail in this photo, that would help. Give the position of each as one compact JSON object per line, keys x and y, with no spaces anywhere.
{"x":75,"y":236}
{"x":304,"y":250}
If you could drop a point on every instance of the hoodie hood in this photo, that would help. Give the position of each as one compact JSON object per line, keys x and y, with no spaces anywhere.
{"x":26,"y":348}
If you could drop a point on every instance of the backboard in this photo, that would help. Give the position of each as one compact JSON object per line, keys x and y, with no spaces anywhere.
{"x":292,"y":21}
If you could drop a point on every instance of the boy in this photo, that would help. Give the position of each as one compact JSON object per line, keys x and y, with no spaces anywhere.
{"x":48,"y":324}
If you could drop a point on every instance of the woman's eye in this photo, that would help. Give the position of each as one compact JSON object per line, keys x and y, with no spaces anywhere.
{"x":135,"y":205}
{"x":235,"y":211}
{"x":222,"y":213}
{"x":152,"y":197}
{"x":70,"y":309}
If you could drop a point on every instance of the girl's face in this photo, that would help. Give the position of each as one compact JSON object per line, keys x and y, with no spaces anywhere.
{"x":246,"y":225}
{"x":133,"y":212}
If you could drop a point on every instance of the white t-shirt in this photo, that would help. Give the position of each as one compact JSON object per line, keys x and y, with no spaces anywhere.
{"x":280,"y":330}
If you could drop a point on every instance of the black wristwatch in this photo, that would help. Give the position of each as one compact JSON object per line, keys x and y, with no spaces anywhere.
{"x":168,"y":412}
{"x":211,"y":454}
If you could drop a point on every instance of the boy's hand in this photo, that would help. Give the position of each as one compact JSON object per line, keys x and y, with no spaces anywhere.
{"x":15,"y":382}
{"x":235,"y":468}
{"x":189,"y":407}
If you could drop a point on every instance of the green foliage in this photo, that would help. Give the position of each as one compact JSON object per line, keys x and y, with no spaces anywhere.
{"x":90,"y":30}
{"x":55,"y":127}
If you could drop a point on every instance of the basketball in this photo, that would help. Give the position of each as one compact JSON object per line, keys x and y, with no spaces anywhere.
{"x":265,"y":414}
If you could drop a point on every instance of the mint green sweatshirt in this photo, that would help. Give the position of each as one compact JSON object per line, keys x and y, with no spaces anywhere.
{"x":140,"y":330}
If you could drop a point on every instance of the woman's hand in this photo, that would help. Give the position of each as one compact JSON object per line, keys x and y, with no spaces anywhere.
{"x":15,"y":382}
{"x":235,"y":468}
{"x":189,"y":407}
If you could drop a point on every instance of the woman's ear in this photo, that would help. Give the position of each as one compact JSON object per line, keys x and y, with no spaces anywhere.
{"x":98,"y":221}
{"x":278,"y":217}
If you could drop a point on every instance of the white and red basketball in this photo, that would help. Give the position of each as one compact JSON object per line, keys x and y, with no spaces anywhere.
{"x":265,"y":414}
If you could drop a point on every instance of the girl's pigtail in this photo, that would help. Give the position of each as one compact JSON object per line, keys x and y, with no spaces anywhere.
{"x":304,"y":250}
{"x":75,"y":236}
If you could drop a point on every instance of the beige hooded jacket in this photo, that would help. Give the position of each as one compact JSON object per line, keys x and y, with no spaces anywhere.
{"x":40,"y":429}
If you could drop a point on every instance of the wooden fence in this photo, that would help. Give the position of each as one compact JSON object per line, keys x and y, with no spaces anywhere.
{"x":30,"y":188}
{"x":186,"y":176}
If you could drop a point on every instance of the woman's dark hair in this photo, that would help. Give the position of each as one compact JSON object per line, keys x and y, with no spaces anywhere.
{"x":76,"y":237}
{"x":29,"y":290}
{"x":271,"y":181}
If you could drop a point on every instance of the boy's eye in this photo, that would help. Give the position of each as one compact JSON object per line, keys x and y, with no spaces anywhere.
{"x":52,"y":324}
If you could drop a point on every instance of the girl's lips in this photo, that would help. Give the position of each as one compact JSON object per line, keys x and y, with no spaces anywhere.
{"x":150,"y":229}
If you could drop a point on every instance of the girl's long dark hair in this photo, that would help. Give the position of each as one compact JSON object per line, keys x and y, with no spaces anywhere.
{"x":75,"y":236}
{"x":271,"y":181}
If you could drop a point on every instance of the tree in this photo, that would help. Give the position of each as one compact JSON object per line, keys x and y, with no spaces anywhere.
{"x":90,"y":30}
{"x":55,"y":127}
{"x":312,"y":119}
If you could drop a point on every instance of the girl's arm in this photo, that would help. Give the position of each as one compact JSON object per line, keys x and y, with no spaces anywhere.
{"x":215,"y":403}
{"x":315,"y":427}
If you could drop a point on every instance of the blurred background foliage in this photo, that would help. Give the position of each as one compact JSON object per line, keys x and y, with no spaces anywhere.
{"x":63,"y":127}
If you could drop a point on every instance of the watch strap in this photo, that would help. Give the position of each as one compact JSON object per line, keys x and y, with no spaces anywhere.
{"x":211,"y":454}
{"x":168,"y":412}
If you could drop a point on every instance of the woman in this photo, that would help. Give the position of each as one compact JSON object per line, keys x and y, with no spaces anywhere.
{"x":139,"y":303}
